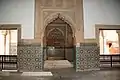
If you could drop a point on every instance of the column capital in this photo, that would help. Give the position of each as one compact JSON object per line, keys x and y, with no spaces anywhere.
{"x":118,"y":31}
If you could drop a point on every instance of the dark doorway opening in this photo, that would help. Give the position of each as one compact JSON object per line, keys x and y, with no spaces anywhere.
{"x":58,"y":41}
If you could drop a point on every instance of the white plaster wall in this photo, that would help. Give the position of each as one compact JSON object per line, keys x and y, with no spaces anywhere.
{"x":18,"y":12}
{"x":100,"y":12}
{"x":95,"y":12}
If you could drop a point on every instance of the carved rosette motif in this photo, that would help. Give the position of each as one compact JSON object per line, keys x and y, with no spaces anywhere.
{"x":45,"y":14}
{"x":48,"y":3}
{"x":58,"y":3}
{"x":70,"y":3}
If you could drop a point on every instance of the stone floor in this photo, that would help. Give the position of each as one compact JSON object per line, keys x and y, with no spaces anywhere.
{"x":66,"y":74}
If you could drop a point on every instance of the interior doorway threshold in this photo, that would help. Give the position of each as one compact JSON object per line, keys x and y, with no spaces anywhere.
{"x":37,"y":74}
{"x":9,"y":70}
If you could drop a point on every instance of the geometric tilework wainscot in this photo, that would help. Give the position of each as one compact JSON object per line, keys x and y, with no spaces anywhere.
{"x":87,"y":57}
{"x":30,"y":58}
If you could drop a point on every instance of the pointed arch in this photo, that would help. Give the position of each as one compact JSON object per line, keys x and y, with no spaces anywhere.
{"x":63,"y":17}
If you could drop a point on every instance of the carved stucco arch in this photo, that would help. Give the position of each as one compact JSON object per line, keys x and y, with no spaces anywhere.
{"x":64,"y":17}
{"x":54,"y":29}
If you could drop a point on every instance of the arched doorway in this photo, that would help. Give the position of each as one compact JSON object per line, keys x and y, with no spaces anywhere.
{"x":58,"y":40}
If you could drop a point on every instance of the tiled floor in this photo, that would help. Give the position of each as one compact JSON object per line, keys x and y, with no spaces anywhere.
{"x":67,"y":74}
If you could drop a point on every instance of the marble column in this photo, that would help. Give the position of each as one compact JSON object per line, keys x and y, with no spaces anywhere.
{"x":4,"y":33}
{"x":118,"y":32}
{"x":101,"y":39}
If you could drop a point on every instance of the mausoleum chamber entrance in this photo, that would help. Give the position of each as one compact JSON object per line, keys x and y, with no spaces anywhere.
{"x":58,"y":42}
